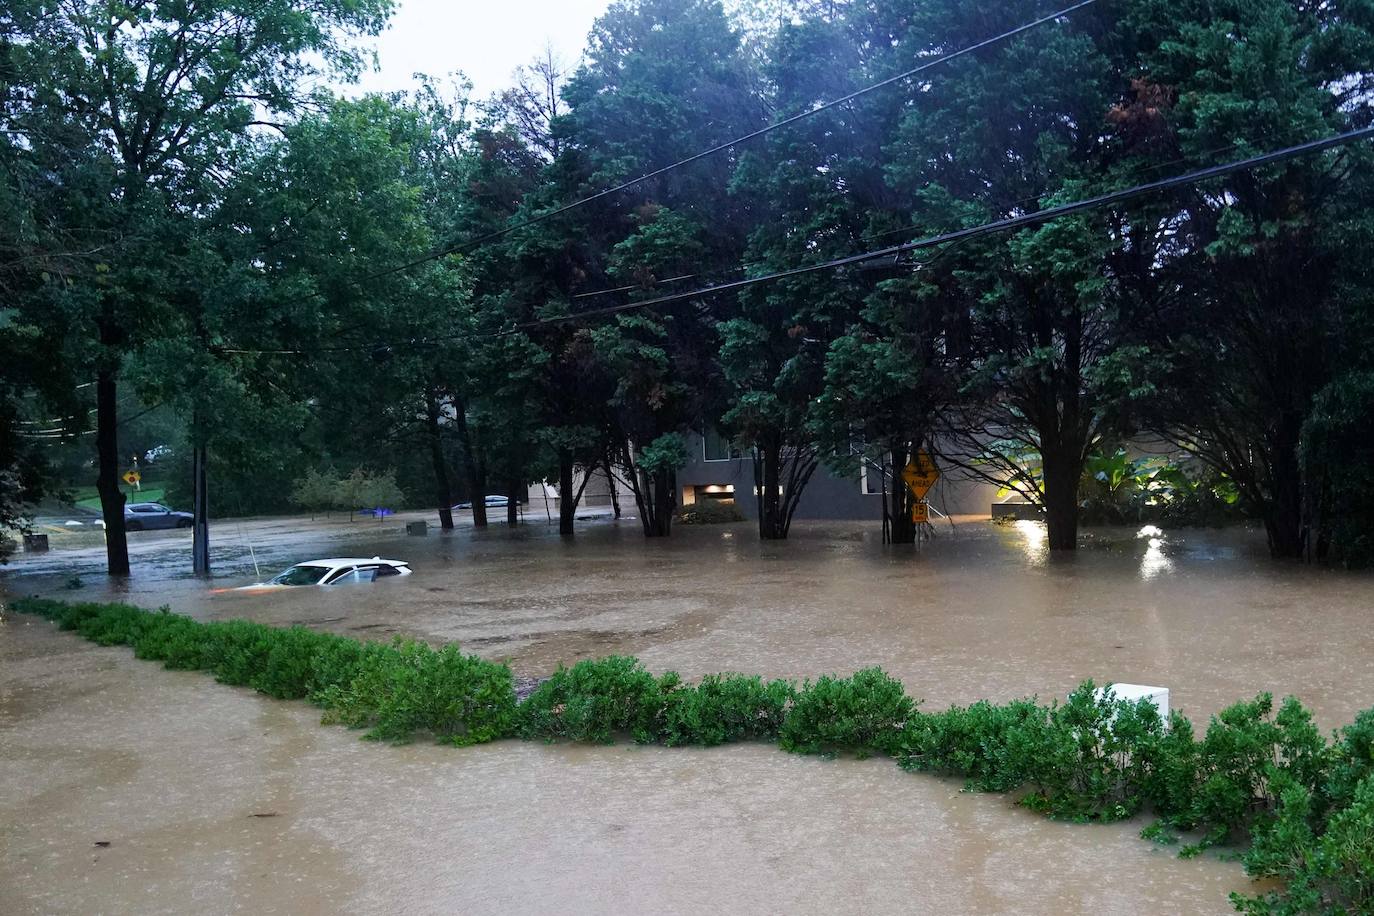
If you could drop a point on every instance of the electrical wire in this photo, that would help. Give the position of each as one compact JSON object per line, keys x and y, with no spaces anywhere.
{"x":477,"y":241}
{"x":944,"y":238}
{"x":1029,"y":199}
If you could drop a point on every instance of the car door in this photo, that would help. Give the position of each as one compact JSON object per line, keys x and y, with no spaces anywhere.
{"x":160,"y":517}
{"x":356,"y":576}
{"x":140,"y":517}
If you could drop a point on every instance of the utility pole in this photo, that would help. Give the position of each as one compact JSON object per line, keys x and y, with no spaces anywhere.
{"x":200,"y":508}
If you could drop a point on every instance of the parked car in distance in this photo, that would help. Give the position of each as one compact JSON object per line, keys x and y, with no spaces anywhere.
{"x":499,"y":502}
{"x":152,"y":516}
{"x":335,"y":571}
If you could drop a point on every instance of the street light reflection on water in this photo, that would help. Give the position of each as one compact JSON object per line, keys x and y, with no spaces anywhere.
{"x":1033,"y":536}
{"x":1155,"y":562}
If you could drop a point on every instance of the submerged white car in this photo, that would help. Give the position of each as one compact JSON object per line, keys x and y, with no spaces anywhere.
{"x":336,"y":571}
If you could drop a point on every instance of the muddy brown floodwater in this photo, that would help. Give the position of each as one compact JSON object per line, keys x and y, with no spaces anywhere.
{"x":213,"y":799}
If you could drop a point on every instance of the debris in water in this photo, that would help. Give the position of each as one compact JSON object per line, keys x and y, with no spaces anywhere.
{"x":103,"y":844}
{"x":265,"y":814}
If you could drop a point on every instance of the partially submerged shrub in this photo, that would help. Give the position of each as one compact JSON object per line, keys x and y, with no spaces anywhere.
{"x":408,"y":687}
{"x":597,"y":699}
{"x":864,"y":714}
{"x":1329,"y":869}
{"x":1093,"y":757}
{"x":975,"y":742}
{"x":724,"y":708}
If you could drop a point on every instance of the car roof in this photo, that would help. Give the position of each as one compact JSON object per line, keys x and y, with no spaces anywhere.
{"x":351,"y":561}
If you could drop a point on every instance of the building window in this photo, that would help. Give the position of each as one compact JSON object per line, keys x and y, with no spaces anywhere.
{"x":715,"y":447}
{"x":710,"y":493}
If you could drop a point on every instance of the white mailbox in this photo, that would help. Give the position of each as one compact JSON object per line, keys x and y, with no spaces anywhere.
{"x":1133,"y":693}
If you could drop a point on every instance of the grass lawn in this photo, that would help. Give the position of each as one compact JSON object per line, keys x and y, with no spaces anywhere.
{"x":87,"y":498}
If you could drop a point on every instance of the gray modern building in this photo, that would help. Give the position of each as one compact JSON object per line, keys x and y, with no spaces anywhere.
{"x":717,"y":471}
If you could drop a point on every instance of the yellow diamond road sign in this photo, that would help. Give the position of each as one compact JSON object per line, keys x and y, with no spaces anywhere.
{"x":920,"y":474}
{"x":132,"y":477}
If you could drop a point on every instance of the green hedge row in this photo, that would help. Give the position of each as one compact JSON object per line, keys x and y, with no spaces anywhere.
{"x":1302,"y":805}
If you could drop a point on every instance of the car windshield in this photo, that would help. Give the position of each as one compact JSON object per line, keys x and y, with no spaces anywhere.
{"x":300,"y":575}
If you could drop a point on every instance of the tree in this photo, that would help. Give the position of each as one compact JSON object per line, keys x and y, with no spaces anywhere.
{"x":1264,"y":256}
{"x":661,"y":80}
{"x":816,"y":191}
{"x":158,"y":95}
{"x":1038,"y":328}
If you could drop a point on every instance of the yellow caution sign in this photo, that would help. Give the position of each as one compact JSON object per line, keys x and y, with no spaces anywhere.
{"x":132,"y":478}
{"x":920,"y":511}
{"x":920,"y":474}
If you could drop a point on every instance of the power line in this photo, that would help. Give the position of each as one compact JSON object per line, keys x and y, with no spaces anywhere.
{"x":945,"y":238}
{"x":873,"y":236}
{"x":728,"y":144}
{"x":1003,"y":225}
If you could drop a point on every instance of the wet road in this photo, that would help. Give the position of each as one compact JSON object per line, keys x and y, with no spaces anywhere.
{"x":170,"y":767}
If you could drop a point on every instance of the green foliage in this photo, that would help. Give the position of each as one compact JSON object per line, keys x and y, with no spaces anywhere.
{"x":1094,"y":758}
{"x":408,"y":687}
{"x":1118,"y":489}
{"x":974,"y":742}
{"x":596,"y":700}
{"x":709,"y":512}
{"x":316,"y":490}
{"x":724,"y":708}
{"x":1338,"y":456}
{"x":1245,"y":749}
{"x":1331,"y":871}
{"x":364,"y":489}
{"x":863,"y":714}
{"x":394,"y":690}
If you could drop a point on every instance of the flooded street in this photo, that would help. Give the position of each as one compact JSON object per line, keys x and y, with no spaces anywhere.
{"x":215,"y":799}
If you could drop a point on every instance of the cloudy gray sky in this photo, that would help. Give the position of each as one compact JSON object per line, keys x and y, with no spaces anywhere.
{"x":486,"y":39}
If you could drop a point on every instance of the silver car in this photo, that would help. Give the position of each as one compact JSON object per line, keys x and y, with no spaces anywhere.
{"x":151,"y":516}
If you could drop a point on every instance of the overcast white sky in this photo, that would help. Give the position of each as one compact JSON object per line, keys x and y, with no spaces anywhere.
{"x":486,"y":39}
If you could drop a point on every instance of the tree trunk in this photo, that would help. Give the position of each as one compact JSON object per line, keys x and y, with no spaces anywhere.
{"x":903,"y":528}
{"x":513,"y":502}
{"x":1283,"y":518}
{"x":772,"y":526}
{"x":567,"y":499}
{"x":1062,"y":471}
{"x":473,"y":470}
{"x":443,"y":486}
{"x":663,"y":498}
{"x":610,"y":483}
{"x":107,"y":478}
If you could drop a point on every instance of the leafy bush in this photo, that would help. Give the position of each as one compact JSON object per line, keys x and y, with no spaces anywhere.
{"x":1093,"y":759}
{"x":408,"y":687}
{"x":1327,"y":872}
{"x":392,"y":690}
{"x":724,"y":708}
{"x":597,"y":699}
{"x":973,"y":742}
{"x":864,"y":714}
{"x":1351,"y":760}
